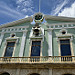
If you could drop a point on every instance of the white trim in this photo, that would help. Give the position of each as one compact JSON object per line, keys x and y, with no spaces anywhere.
{"x":49,"y":42}
{"x":14,"y":29}
{"x":9,"y":40}
{"x":64,"y":37}
{"x":6,"y":45}
{"x":16,"y":22}
{"x":69,"y":36}
{"x":61,"y":25}
{"x":22,"y":44}
{"x":1,"y":38}
{"x":12,"y":38}
{"x":41,"y":34}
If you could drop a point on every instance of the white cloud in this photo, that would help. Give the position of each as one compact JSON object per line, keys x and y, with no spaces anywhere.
{"x":59,"y":7}
{"x":27,"y":3}
{"x":19,"y":1}
{"x":69,"y":12}
{"x":10,"y":12}
{"x":24,"y":10}
{"x":25,"y":6}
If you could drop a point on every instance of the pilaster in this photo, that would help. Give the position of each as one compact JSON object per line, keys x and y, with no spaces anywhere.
{"x":22,"y":44}
{"x":18,"y":72}
{"x":1,"y":38}
{"x":49,"y":42}
{"x":50,"y":72}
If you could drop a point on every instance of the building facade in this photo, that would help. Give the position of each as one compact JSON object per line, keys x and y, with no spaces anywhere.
{"x":38,"y":45}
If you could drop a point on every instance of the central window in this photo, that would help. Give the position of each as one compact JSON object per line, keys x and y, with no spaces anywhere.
{"x":9,"y":49}
{"x":35,"y":48}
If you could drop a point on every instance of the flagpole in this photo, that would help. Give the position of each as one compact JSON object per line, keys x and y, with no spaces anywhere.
{"x":39,"y":5}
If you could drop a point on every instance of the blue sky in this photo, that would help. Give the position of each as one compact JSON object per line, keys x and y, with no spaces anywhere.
{"x":12,"y":10}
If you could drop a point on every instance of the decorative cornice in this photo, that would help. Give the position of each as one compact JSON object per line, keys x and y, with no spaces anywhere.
{"x":59,"y":18}
{"x":10,"y":38}
{"x":61,"y":25}
{"x":15,"y":29}
{"x":47,"y":17}
{"x":65,"y":36}
{"x":28,"y":19}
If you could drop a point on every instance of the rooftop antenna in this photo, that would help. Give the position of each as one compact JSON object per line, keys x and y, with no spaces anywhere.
{"x":39,"y":5}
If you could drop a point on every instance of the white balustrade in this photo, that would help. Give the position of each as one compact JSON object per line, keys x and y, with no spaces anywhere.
{"x":42,"y":59}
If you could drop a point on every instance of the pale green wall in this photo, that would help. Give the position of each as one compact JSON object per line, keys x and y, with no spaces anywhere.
{"x":55,"y":43}
{"x":6,"y":35}
{"x":3,"y":43}
{"x":45,"y":43}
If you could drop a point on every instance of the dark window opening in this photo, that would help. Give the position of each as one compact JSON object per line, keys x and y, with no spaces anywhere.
{"x":35,"y":50}
{"x":65,"y":50}
{"x":9,"y":49}
{"x":63,"y":32}
{"x":36,"y":32}
{"x":13,"y":35}
{"x":34,"y":74}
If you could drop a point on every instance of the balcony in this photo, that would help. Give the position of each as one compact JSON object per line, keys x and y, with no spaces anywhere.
{"x":41,"y":59}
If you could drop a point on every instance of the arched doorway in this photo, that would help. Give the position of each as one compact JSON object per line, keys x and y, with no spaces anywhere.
{"x":5,"y":73}
{"x":34,"y":74}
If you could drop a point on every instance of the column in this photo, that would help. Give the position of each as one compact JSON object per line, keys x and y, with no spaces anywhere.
{"x":50,"y":71}
{"x":22,"y":44}
{"x":50,"y":42}
{"x":17,"y":72}
{"x":1,"y":38}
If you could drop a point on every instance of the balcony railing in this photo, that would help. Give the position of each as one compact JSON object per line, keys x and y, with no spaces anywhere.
{"x":41,"y":59}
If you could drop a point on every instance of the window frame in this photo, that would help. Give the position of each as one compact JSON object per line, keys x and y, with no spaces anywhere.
{"x":65,"y":44}
{"x":35,"y":46}
{"x":31,"y":46}
{"x":6,"y":47}
{"x":10,"y":39}
{"x":72,"y":53}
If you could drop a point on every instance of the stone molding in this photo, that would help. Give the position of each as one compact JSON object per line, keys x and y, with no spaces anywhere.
{"x":61,"y":25}
{"x":15,"y":29}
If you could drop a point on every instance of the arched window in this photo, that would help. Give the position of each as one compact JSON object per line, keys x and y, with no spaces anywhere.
{"x":63,"y":31}
{"x":13,"y":35}
{"x":34,"y":74}
{"x":5,"y":73}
